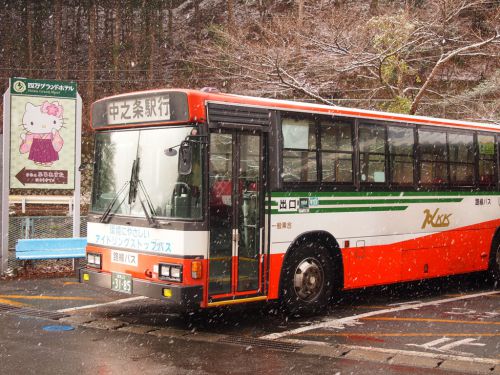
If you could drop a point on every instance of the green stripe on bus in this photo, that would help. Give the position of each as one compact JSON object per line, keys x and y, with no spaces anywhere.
{"x":344,"y":209}
{"x":325,"y":202}
{"x":299,"y":194}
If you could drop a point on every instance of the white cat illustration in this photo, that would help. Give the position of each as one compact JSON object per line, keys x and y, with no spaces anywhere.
{"x":42,"y":139}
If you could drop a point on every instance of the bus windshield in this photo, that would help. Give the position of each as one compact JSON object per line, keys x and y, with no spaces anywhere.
{"x":136,"y":174}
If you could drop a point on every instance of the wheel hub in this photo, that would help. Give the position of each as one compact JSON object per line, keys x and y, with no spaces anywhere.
{"x":308,"y":279}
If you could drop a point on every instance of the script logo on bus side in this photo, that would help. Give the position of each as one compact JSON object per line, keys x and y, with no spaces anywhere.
{"x":435,"y":219}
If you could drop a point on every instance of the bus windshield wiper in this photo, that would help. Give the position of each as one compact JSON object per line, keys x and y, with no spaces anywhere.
{"x":150,"y":212}
{"x":134,"y":181}
{"x":112,"y":203}
{"x":135,"y":185}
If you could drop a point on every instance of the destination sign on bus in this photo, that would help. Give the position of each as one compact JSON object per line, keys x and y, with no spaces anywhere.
{"x":145,"y":108}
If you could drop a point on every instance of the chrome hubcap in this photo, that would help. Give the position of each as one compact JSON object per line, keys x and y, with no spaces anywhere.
{"x":308,"y":279}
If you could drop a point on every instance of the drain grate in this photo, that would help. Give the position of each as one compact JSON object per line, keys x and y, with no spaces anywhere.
{"x":25,"y":311}
{"x":252,"y":341}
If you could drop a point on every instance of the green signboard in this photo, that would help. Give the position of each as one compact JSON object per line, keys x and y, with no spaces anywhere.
{"x":38,"y":87}
{"x":43,"y":117}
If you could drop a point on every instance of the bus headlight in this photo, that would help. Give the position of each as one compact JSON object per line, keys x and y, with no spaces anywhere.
{"x":175,"y":273}
{"x":164,"y":271}
{"x":94,"y":260}
{"x":171,"y":272}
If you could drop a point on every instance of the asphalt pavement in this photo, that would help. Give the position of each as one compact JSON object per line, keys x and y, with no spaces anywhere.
{"x":441,"y":326}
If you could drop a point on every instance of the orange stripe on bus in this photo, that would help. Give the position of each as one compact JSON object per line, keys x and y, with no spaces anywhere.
{"x":385,"y":264}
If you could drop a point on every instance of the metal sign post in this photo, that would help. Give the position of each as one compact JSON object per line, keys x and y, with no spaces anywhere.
{"x":5,"y":183}
{"x":78,"y":162}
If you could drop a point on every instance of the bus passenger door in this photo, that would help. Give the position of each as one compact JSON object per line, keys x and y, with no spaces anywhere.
{"x":236,"y":199}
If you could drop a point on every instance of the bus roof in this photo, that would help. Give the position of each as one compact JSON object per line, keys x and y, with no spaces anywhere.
{"x":195,"y":96}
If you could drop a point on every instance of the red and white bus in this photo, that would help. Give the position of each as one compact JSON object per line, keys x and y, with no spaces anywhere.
{"x":207,"y":199}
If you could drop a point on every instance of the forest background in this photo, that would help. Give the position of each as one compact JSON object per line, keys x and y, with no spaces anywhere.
{"x":427,"y":57}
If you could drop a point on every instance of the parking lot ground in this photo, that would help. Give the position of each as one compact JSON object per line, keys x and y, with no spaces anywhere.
{"x":466,"y":325}
{"x":52,"y":294}
{"x":452,"y":326}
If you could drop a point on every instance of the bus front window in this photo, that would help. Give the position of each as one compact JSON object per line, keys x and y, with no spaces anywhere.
{"x":136,"y":174}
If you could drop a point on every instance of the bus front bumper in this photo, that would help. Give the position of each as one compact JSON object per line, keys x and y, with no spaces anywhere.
{"x":185,"y":296}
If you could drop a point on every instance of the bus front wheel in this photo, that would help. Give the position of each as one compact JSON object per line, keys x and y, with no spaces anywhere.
{"x":306,"y":282}
{"x":495,"y":259}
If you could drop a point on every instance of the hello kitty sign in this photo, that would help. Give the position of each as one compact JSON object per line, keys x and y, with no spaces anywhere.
{"x":43,"y":118}
{"x":42,"y":138}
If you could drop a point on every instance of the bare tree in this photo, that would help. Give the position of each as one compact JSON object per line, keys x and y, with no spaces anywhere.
{"x":391,"y":60}
{"x":117,"y":20}
{"x":92,"y":41}
{"x":230,"y":14}
{"x":300,"y":13}
{"x":449,"y":11}
{"x":170,"y":25}
{"x":58,"y":37}
{"x":29,"y":36}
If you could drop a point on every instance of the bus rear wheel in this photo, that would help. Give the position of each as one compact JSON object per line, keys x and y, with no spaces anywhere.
{"x":306,"y":281}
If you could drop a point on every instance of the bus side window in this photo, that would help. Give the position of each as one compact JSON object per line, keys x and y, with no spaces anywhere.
{"x":372,"y":153}
{"x":336,"y":152}
{"x":401,"y":144}
{"x":461,"y":150}
{"x":299,"y":150}
{"x":433,"y":153}
{"x":487,"y":159}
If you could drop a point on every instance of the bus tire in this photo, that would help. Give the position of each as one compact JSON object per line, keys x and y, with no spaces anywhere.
{"x":306,"y":284}
{"x":494,"y":264}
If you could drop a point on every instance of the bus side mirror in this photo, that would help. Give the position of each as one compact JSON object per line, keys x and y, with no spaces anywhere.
{"x":185,"y":158}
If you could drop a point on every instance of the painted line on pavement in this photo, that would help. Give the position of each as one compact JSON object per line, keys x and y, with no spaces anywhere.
{"x":458,"y":295}
{"x":396,"y":334}
{"x":55,"y":298}
{"x":405,"y":303}
{"x":399,"y":351}
{"x":368,"y":307}
{"x":340,"y":323}
{"x":117,"y":302}
{"x":431,"y":320}
{"x":12,"y":303}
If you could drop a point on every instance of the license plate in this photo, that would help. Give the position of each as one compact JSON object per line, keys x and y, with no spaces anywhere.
{"x":121,"y":283}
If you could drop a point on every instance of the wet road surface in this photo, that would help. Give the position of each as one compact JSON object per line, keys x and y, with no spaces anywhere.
{"x":26,"y":348}
{"x":443,"y":326}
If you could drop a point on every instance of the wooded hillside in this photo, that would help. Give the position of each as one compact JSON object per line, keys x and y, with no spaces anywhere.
{"x":417,"y":56}
{"x":429,"y":57}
